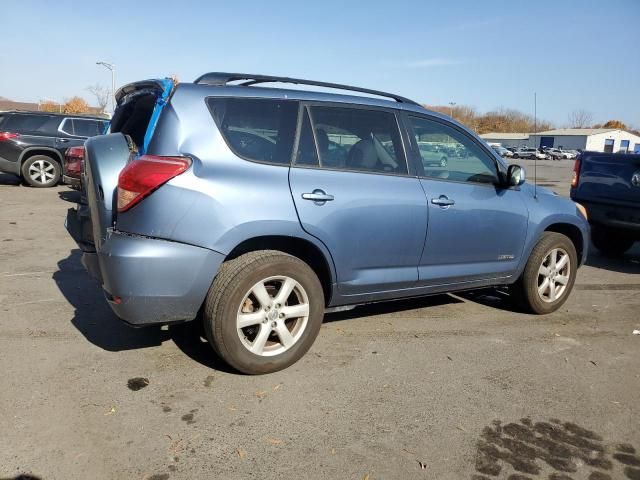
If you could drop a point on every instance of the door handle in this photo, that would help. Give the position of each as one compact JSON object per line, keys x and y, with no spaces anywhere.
{"x":319,"y":197}
{"x":63,"y":140}
{"x":443,"y":201}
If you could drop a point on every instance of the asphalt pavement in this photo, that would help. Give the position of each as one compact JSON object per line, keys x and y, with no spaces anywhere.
{"x":444,"y":387}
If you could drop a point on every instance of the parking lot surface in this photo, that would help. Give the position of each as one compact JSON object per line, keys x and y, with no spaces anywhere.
{"x":445,"y":387}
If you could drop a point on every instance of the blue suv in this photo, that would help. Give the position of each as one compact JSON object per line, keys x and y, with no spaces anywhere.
{"x":255,"y":210}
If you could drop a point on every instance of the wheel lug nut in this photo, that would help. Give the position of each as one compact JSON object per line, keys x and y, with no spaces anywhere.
{"x":282,"y":315}
{"x":273,"y":324}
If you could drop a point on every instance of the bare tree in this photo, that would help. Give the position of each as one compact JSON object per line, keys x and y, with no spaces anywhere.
{"x":102,"y":95}
{"x":580,"y":119}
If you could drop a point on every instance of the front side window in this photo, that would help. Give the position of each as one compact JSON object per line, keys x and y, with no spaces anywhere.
{"x":357,"y":139}
{"x":260,"y":130}
{"x":448,"y":154}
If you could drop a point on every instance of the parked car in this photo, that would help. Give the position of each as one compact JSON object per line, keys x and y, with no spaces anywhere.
{"x":526,"y":152}
{"x":559,"y":154}
{"x":72,"y":166}
{"x":608,"y":185}
{"x":503,"y":152}
{"x":32,"y":144}
{"x":221,"y":207}
{"x":432,"y":155}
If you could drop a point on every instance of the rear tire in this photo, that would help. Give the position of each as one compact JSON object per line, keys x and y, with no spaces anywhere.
{"x":515,"y":155}
{"x":546,"y":283}
{"x":280,"y":327}
{"x":610,"y":242}
{"x":41,"y":171}
{"x":443,"y":162}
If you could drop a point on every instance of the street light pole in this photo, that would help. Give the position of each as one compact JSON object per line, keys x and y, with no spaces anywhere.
{"x":451,"y":105}
{"x":112,"y":68}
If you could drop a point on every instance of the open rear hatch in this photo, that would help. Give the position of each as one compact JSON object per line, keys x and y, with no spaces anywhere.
{"x":138,"y":108}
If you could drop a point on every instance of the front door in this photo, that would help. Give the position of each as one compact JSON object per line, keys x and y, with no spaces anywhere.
{"x":352,"y":191}
{"x":476,"y":229}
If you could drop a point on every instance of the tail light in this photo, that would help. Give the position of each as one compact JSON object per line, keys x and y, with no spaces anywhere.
{"x":73,"y":158}
{"x":143,"y":176}
{"x":4,"y":136}
{"x":576,"y":173}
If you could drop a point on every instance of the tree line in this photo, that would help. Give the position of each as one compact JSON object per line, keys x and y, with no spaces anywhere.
{"x":506,"y":120}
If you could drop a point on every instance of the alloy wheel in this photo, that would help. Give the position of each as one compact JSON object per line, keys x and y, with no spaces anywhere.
{"x":42,"y":171}
{"x":553,"y":275}
{"x":272,"y":316}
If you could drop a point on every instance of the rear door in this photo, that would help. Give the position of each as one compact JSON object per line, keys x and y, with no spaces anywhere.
{"x":353,"y":191}
{"x":68,"y":135}
{"x":477,"y":229}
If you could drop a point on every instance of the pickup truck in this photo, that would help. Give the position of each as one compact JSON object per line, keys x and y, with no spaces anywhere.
{"x":608,"y":186}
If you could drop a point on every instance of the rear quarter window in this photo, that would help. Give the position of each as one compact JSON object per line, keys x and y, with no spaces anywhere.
{"x":260,"y":130}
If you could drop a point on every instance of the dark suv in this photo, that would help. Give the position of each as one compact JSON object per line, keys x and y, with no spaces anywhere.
{"x":32,"y":144}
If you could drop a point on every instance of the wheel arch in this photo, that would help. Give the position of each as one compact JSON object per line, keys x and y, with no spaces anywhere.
{"x":47,"y":151}
{"x":573,"y":233}
{"x":304,"y":249}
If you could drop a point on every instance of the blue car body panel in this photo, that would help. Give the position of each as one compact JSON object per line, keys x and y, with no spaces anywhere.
{"x":480,"y":236}
{"x":380,"y":237}
{"x":375,"y":239}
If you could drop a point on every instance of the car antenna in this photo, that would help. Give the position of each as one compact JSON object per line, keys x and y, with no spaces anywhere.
{"x":535,"y":138}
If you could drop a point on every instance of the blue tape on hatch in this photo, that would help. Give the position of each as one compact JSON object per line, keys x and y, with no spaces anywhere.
{"x":167,"y":87}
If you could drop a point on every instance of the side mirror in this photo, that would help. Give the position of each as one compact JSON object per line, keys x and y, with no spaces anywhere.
{"x":515,"y":175}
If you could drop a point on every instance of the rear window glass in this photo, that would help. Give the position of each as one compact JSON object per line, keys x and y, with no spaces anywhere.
{"x":261,"y":130}
{"x":27,"y":123}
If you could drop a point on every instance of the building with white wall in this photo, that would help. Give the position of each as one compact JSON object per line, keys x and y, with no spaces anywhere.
{"x":592,"y":139}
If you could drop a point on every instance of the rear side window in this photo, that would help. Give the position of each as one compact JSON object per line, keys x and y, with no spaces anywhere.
{"x":27,"y":123}
{"x":260,"y":130}
{"x":354,"y":139}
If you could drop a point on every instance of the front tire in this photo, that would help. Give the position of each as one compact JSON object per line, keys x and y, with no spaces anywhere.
{"x":263,"y":311}
{"x":549,"y":275}
{"x":610,"y":242}
{"x":41,"y":171}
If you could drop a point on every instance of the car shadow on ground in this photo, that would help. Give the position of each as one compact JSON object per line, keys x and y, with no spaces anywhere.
{"x":392,"y":306}
{"x":100,"y":326}
{"x":72,"y":196}
{"x":627,"y":263}
{"x":9,"y":179}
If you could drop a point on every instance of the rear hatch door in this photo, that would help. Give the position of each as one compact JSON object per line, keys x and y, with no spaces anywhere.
{"x":609,"y":179}
{"x":139,"y":106}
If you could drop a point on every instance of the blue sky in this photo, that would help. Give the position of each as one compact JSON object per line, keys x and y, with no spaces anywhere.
{"x":488,"y":54}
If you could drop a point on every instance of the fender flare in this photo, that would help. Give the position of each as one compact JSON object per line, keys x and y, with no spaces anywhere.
{"x":56,"y":155}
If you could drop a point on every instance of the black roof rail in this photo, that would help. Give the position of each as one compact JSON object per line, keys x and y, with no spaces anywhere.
{"x":221,"y":79}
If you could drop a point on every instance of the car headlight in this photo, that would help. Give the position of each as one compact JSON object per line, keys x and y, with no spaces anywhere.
{"x":582,"y":210}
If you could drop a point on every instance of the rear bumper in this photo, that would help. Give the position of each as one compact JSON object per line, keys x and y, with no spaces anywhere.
{"x":73,"y":182}
{"x":614,"y":216}
{"x":148,"y":280}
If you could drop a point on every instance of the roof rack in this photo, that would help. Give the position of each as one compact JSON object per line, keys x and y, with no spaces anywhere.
{"x":221,"y":79}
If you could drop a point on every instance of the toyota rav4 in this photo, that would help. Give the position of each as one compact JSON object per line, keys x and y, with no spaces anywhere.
{"x":255,"y":210}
